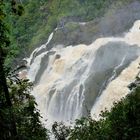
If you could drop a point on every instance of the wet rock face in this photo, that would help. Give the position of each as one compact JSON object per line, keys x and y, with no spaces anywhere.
{"x":22,"y":74}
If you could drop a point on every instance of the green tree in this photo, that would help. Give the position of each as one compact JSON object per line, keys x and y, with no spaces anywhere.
{"x":4,"y":43}
{"x":19,"y":118}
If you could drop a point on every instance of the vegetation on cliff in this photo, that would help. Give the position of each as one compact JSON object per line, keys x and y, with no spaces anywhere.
{"x":40,"y":17}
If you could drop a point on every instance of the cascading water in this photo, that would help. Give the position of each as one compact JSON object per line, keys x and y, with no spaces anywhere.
{"x":69,"y":81}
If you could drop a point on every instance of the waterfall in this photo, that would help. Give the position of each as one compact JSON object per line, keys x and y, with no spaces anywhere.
{"x":72,"y":80}
{"x":113,"y":75}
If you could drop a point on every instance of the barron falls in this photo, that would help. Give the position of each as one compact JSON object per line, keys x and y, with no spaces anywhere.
{"x":71,"y":81}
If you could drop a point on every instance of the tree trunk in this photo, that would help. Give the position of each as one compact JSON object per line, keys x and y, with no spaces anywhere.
{"x":4,"y":89}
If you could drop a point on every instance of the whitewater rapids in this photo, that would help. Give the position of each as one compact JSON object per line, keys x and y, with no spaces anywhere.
{"x":70,"y":81}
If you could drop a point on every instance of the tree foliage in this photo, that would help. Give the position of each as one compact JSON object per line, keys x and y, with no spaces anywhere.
{"x":19,"y":118}
{"x":26,"y":115}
